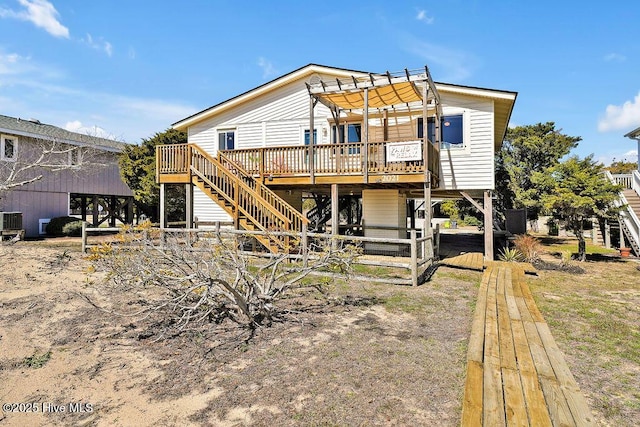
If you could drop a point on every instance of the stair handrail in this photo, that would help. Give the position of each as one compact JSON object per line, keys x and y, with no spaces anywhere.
{"x":238,"y":181}
{"x":627,"y":214}
{"x":267,"y":194}
{"x":635,"y":182}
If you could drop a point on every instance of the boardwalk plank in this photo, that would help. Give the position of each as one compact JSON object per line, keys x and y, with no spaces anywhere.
{"x":507,"y":351}
{"x":515,"y":407}
{"x":473,"y":395}
{"x":493,"y":402}
{"x":557,"y":404}
{"x":476,"y":341}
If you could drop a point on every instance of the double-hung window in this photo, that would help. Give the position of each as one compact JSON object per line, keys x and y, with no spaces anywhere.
{"x":451,"y":130}
{"x":226,"y":140}
{"x":8,"y":148}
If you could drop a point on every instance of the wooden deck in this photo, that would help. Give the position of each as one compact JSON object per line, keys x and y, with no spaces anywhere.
{"x":322,"y":164}
{"x":516,"y":374}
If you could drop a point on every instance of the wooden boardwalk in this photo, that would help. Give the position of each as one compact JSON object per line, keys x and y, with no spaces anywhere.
{"x":475,"y":261}
{"x":516,"y":374}
{"x":469,"y":261}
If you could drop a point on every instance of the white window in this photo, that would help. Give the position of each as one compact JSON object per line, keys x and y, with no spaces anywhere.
{"x":42,"y":225}
{"x":226,"y":140}
{"x":8,"y":148}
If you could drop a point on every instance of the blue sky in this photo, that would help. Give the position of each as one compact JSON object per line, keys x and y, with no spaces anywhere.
{"x":130,"y":69}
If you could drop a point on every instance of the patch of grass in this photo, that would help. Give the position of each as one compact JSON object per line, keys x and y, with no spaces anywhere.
{"x":559,"y":245}
{"x":379,"y":271}
{"x":596,"y":322}
{"x":37,"y":360}
{"x":407,"y":303}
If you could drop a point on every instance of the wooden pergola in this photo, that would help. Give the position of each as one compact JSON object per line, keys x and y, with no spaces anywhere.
{"x":368,"y":96}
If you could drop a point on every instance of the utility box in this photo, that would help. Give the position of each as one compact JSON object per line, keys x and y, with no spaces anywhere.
{"x":11,"y":225}
{"x":10,"y":221}
{"x":516,"y":221}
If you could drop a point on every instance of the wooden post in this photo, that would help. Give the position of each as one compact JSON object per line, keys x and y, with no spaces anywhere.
{"x":366,"y":136}
{"x":436,"y":242}
{"x":95,"y":210}
{"x":335,"y":212}
{"x":83,"y":207}
{"x":425,"y":134}
{"x":112,"y":211}
{"x":607,"y":234}
{"x":385,"y":125}
{"x":84,"y":237}
{"x":623,"y":244}
{"x":163,"y":210}
{"x":312,"y":142}
{"x":305,"y":246}
{"x":426,"y":226}
{"x":414,"y":259}
{"x":129,"y":209}
{"x":488,"y":226}
{"x":189,"y":205}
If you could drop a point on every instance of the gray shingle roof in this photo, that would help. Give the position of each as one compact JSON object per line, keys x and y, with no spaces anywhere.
{"x":35,"y":129}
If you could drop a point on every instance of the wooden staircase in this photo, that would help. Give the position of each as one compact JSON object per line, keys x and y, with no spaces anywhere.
{"x":251,"y":204}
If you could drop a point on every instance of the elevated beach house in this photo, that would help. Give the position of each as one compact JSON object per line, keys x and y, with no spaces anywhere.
{"x":367,"y":147}
{"x":63,"y":173}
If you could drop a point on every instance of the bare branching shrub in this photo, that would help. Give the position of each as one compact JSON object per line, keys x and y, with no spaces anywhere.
{"x":193,"y":281}
{"x":528,"y":246}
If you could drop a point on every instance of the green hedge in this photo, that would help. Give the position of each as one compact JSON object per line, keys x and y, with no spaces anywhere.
{"x":64,"y":226}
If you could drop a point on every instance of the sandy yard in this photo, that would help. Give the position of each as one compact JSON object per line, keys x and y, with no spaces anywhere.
{"x":370,"y":354}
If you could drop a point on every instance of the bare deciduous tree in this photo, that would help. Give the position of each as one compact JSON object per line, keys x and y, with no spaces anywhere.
{"x":209,"y":280}
{"x":35,"y":158}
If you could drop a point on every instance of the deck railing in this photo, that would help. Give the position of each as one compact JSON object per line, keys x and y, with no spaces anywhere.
{"x":173,"y":159}
{"x":623,"y":179}
{"x":327,"y":159}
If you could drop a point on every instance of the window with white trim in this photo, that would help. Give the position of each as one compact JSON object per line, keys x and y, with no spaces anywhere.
{"x":8,"y":148}
{"x":226,"y":140}
{"x":451,"y":130}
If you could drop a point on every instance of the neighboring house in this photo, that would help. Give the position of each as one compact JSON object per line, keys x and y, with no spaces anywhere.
{"x":341,"y":134}
{"x":635,"y":134}
{"x":86,"y":184}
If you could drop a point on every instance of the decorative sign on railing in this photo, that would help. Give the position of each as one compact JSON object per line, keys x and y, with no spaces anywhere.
{"x":404,"y":151}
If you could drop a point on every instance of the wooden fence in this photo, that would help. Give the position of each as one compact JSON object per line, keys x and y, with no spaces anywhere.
{"x":421,"y":253}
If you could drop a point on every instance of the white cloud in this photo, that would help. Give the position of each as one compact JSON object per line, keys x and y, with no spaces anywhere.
{"x":268,"y":70}
{"x":132,"y":53}
{"x":452,"y":65}
{"x":77,"y":127}
{"x":615,"y":57}
{"x":621,"y":117}
{"x":422,"y":16}
{"x":41,"y":13}
{"x":99,"y":44}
